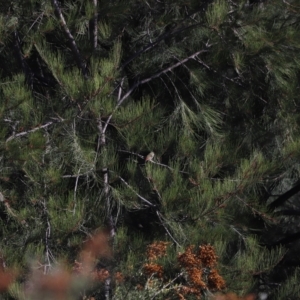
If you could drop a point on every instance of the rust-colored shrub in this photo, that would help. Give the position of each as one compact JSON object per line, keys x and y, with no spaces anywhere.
{"x":153,"y":269}
{"x":6,"y":279}
{"x":156,"y":250}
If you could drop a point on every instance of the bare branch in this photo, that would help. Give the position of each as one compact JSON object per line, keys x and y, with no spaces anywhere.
{"x":138,"y":83}
{"x":47,"y":265}
{"x":237,"y":231}
{"x":167,"y":285}
{"x":36,"y":20}
{"x":72,"y":176}
{"x":133,"y":153}
{"x":139,"y":196}
{"x":157,"y":163}
{"x":171,"y":67}
{"x":105,"y":171}
{"x":75,"y":192}
{"x":254,"y":210}
{"x":71,"y":39}
{"x":158,"y":40}
{"x":166,"y":229}
{"x":95,"y":25}
{"x":108,"y":199}
{"x":120,"y":89}
{"x":30,"y":131}
{"x":214,"y":71}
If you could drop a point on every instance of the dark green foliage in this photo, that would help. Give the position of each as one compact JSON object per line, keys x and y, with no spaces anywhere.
{"x":211,"y":87}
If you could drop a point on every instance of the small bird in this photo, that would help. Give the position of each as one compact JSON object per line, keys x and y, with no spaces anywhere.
{"x":149,"y":156}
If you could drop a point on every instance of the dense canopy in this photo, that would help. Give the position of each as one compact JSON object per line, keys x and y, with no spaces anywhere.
{"x":149,"y":149}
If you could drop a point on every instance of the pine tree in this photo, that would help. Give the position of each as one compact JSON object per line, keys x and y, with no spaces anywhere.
{"x":89,"y":89}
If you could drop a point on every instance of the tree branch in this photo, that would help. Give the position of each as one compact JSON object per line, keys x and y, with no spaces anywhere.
{"x":138,"y":83}
{"x":167,"y":285}
{"x":133,"y":153}
{"x":168,"y":232}
{"x":158,"y":40}
{"x":214,"y":71}
{"x":108,"y":200}
{"x":285,"y":196}
{"x":70,"y":38}
{"x":139,"y":196}
{"x":47,"y":266}
{"x":31,"y":130}
{"x":95,"y":25}
{"x":171,"y":67}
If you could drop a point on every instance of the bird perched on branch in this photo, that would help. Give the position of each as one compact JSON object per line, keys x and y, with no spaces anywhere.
{"x":149,"y":156}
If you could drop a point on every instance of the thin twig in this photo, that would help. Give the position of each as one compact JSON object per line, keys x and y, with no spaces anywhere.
{"x":133,"y":153}
{"x":172,"y":67}
{"x":214,"y":71}
{"x":75,"y":191}
{"x":167,"y":230}
{"x":30,"y":131}
{"x":105,"y":171}
{"x":139,"y":196}
{"x":158,"y":40}
{"x":120,"y":89}
{"x":108,"y":199}
{"x":101,"y":138}
{"x":157,"y":163}
{"x":167,"y":285}
{"x":254,"y":210}
{"x":72,"y":176}
{"x":95,"y":25}
{"x":36,"y":20}
{"x":234,"y":229}
{"x":47,"y":237}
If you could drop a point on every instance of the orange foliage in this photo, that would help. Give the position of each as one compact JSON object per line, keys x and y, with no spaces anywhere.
{"x":152,"y":268}
{"x":194,"y":263}
{"x":207,"y":256}
{"x":195,"y":276}
{"x":157,"y":249}
{"x":215,"y":281}
{"x":97,"y":246}
{"x":6,"y":279}
{"x":185,"y":290}
{"x":232,"y":296}
{"x":154,"y":251}
{"x":56,"y":284}
{"x":188,"y":259}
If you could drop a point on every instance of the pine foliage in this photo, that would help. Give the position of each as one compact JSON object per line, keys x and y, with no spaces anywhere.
{"x":90,"y":89}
